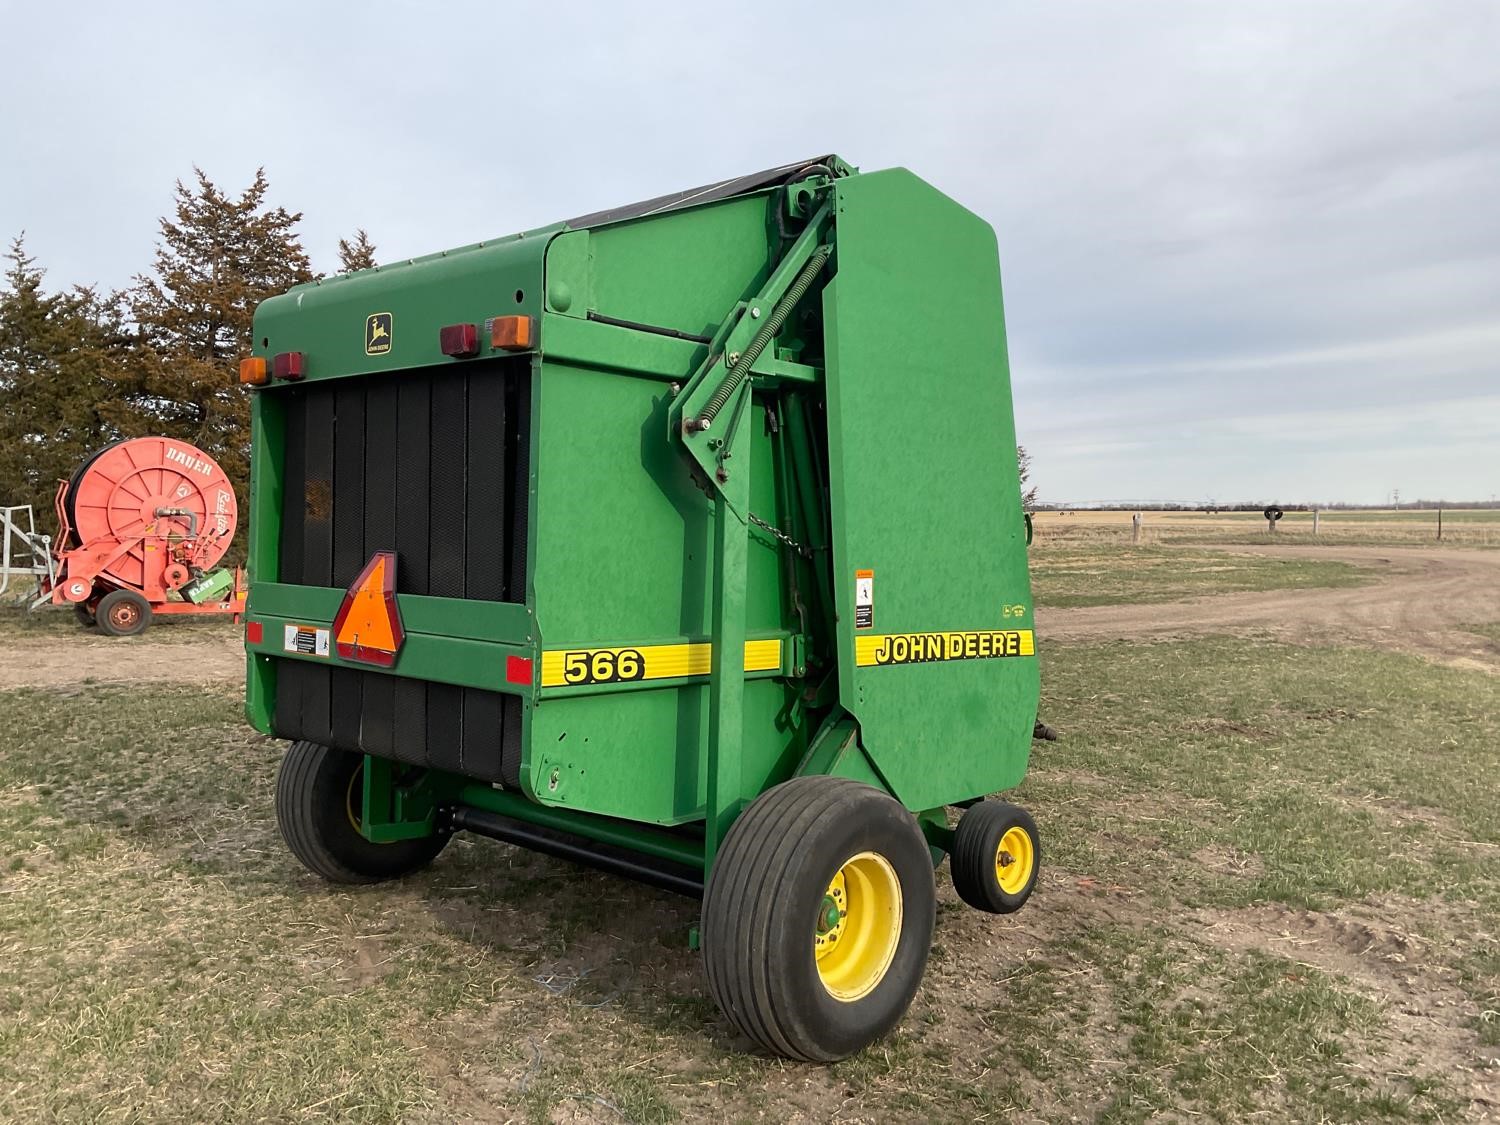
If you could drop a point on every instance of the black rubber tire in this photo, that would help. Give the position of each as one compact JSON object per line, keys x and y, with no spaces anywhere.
{"x":84,"y":614}
{"x":976,"y":845}
{"x":73,"y":481}
{"x":313,"y":813}
{"x":123,"y":613}
{"x":760,"y":916}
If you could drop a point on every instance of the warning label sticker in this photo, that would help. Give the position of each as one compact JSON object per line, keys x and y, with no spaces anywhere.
{"x":864,"y":599}
{"x":920,"y":648}
{"x":306,"y":639}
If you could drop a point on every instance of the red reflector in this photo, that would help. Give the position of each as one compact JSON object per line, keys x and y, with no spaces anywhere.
{"x":459,"y":340}
{"x":518,"y":670}
{"x":289,"y":365}
{"x":254,"y":632}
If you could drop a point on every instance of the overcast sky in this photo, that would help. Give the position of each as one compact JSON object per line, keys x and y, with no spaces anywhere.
{"x":1249,"y":251}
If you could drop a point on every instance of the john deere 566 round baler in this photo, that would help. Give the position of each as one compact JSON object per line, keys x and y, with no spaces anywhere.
{"x":682,"y":539}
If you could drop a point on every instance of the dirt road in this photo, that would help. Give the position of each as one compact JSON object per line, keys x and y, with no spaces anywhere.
{"x":1420,"y":605}
{"x":69,"y":657}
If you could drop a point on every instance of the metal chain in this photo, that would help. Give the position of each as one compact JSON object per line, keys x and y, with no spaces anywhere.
{"x":776,"y":532}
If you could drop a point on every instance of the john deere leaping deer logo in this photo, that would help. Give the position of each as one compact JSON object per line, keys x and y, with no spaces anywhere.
{"x":378,"y":328}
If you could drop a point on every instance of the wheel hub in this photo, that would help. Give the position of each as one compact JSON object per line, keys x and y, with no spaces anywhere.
{"x":858,"y":926}
{"x":1014,"y":860}
{"x":831,"y":915}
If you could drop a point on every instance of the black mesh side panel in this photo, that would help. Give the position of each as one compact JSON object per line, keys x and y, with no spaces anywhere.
{"x":434,"y":466}
{"x":411,"y":721}
{"x":294,"y":490}
{"x":377,"y":716}
{"x":302,"y":701}
{"x":465,"y":730}
{"x":317,"y":558}
{"x":413,"y":443}
{"x":346,"y":705}
{"x":349,"y":553}
{"x":445,"y":719}
{"x":518,"y":473}
{"x":483,"y":732}
{"x":288,"y":714}
{"x":485,"y":556}
{"x":446,"y":508}
{"x":380,"y":468}
{"x":510,"y":749}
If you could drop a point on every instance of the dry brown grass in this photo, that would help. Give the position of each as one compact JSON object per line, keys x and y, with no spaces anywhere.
{"x":1461,"y":528}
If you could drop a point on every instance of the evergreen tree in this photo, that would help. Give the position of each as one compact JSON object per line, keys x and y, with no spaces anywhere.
{"x":1023,"y":462}
{"x":219,"y":257}
{"x":357,"y":253}
{"x":56,"y":352}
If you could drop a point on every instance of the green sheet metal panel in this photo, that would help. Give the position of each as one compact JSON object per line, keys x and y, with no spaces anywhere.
{"x":925,"y":494}
{"x":624,"y":557}
{"x":327,"y":320}
{"x":682,"y":270}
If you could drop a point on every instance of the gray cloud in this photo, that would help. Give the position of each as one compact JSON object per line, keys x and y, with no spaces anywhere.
{"x":1248,"y":252}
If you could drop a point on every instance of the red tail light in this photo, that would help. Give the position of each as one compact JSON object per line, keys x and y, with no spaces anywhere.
{"x":461,"y":341}
{"x":289,"y":365}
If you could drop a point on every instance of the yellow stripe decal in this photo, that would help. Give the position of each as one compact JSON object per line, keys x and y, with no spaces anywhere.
{"x":573,"y":667}
{"x":919,"y":648}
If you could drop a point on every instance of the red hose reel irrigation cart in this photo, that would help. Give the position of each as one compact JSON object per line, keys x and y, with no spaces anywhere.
{"x":143,"y":524}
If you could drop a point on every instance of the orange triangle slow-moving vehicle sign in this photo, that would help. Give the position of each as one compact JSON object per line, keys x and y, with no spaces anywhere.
{"x":368,"y":625}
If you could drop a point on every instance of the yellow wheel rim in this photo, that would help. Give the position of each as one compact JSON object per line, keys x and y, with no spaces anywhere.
{"x":351,"y":802}
{"x":1015,"y":860}
{"x":858,"y":927}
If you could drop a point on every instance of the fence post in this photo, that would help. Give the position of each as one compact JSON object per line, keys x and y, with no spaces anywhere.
{"x":1440,"y":523}
{"x":1135,"y":528}
{"x":1315,"y":521}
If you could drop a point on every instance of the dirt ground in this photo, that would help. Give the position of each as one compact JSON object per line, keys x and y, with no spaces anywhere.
{"x":46,"y":660}
{"x":1421,"y":607}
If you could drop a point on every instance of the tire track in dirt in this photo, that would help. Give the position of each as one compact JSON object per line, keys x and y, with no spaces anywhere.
{"x":1420,"y":605}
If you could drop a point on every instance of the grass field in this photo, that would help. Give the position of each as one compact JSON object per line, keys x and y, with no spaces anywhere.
{"x":1461,"y":528}
{"x":1273,"y":875}
{"x":1064,"y":574}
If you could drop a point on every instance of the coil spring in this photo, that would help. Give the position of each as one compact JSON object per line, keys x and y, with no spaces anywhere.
{"x":769,"y":329}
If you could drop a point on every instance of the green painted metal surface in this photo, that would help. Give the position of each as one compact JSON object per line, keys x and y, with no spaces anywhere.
{"x":327,"y":320}
{"x":924,"y":489}
{"x":873,"y":431}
